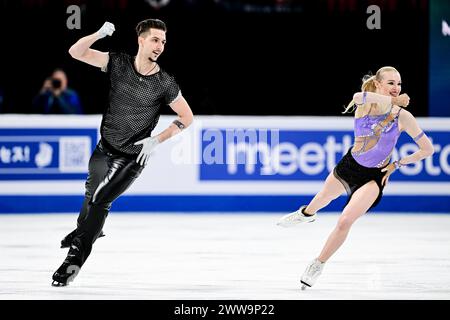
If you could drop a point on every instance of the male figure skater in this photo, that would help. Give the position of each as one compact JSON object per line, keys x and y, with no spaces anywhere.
{"x":139,"y":89}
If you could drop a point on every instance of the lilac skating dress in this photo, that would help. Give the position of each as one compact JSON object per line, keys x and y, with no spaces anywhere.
{"x":375,"y":139}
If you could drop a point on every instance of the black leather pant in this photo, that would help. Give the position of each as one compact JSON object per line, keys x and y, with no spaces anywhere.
{"x":109,"y":176}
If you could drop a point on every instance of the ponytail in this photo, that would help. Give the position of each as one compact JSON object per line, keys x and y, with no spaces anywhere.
{"x":367,"y":86}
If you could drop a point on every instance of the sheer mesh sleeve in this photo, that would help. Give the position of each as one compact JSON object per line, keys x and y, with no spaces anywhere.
{"x":172,"y":90}
{"x":114,"y":60}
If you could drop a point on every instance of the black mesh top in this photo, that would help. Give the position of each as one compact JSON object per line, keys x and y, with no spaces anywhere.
{"x":135,"y":101}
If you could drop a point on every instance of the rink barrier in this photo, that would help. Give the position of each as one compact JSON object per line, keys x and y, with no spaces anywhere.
{"x":219,"y":164}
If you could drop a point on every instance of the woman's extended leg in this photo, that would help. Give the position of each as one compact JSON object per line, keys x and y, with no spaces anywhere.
{"x":359,"y":204}
{"x":331,"y":189}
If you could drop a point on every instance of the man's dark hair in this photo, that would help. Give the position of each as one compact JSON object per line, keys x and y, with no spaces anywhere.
{"x":148,"y":24}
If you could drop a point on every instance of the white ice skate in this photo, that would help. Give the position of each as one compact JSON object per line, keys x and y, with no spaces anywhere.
{"x":311,"y":273}
{"x":295,"y":218}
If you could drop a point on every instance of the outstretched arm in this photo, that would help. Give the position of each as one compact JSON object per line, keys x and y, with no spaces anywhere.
{"x":81,"y":49}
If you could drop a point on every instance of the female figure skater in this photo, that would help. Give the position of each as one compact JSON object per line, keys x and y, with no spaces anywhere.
{"x":364,"y":171}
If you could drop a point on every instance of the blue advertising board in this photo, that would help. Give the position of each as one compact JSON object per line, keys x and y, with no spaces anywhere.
{"x":300,"y":155}
{"x":45,"y":153}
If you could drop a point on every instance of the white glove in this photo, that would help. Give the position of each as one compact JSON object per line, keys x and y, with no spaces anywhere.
{"x":148,"y":145}
{"x":106,"y":30}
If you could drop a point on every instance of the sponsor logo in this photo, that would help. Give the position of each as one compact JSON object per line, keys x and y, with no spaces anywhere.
{"x":257,"y":154}
{"x":45,"y":153}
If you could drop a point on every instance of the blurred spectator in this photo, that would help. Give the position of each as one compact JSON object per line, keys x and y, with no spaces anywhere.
{"x":56,"y":97}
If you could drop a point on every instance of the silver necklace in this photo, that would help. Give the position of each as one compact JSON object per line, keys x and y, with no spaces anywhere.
{"x":140,"y":76}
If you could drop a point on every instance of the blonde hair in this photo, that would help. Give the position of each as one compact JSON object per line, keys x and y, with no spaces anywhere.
{"x":368,"y":85}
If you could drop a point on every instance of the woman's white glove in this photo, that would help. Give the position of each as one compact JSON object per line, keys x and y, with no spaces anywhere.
{"x":106,"y":30}
{"x":148,"y":145}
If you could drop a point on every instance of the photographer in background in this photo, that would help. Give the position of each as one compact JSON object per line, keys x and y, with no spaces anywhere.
{"x":55,"y":97}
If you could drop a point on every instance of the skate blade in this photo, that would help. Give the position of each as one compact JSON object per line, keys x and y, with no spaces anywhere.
{"x":283,"y":225}
{"x":295,"y":224}
{"x":304,"y":285}
{"x":287,"y":224}
{"x":73,"y":270}
{"x":58,"y":284}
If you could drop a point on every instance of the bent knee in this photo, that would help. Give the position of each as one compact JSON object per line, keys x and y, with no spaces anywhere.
{"x":345,"y":222}
{"x":98,"y":200}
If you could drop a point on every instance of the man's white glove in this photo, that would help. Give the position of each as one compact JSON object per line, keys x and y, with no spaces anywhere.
{"x":148,"y":145}
{"x":106,"y":30}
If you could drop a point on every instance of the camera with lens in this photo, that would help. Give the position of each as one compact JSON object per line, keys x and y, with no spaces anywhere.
{"x":56,"y":83}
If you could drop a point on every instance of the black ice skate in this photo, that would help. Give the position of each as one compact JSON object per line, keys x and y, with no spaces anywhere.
{"x":65,"y":243}
{"x":69,"y":268}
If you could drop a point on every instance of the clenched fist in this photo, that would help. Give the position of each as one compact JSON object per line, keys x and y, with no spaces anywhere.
{"x":106,"y":30}
{"x":402,"y":100}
